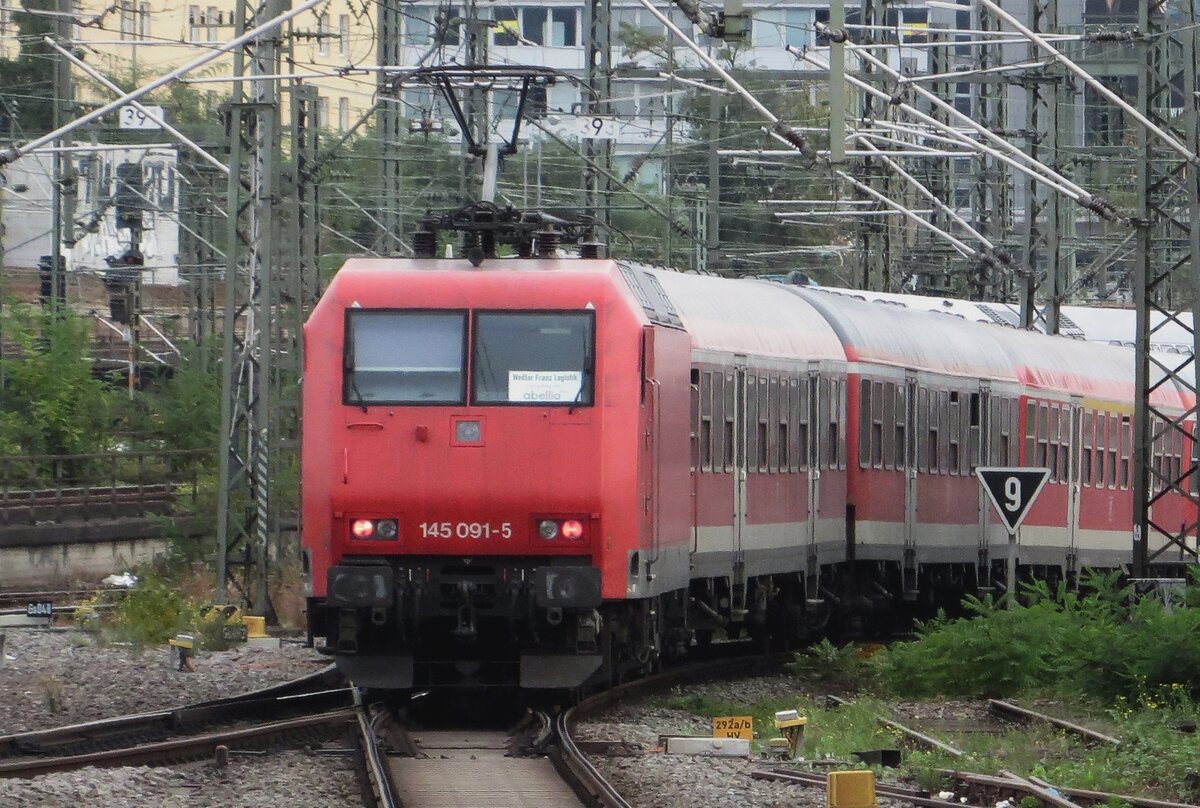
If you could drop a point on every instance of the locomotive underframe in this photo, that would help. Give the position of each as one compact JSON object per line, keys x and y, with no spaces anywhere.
{"x":438,"y":621}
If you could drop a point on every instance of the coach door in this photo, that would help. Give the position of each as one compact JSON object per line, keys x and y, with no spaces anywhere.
{"x":812,"y":462}
{"x":906,"y":444}
{"x":740,"y":482}
{"x":1073,"y":481}
{"x":990,"y":425}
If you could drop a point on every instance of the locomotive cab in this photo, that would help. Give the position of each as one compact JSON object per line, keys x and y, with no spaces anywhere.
{"x":469,"y":460}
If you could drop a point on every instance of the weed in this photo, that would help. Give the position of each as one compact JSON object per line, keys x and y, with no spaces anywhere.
{"x":53,"y":694}
{"x":825,"y":662}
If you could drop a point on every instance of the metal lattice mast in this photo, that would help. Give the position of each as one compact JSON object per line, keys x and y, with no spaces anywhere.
{"x":1043,"y":214}
{"x":939,"y":176}
{"x":200,"y":262}
{"x":874,"y":236}
{"x":244,"y":523}
{"x":1167,"y":271}
{"x":989,"y":194}
{"x":597,"y":186}
{"x":389,"y":127}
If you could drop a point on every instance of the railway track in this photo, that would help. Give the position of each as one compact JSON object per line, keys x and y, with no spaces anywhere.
{"x":988,"y":789}
{"x":539,"y":764}
{"x":262,"y":716}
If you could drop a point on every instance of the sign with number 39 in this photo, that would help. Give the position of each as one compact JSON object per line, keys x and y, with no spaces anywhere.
{"x":133,"y":118}
{"x":596,"y":127}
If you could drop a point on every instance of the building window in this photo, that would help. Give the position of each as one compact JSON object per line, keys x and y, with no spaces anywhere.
{"x":564,"y":25}
{"x":344,"y":35}
{"x":418,"y":26}
{"x":343,"y":113}
{"x":213,"y":21}
{"x":323,"y":34}
{"x":195,"y":21}
{"x":322,"y":112}
{"x":507,"y":28}
{"x":143,"y":21}
{"x":126,"y":19}
{"x":776,"y":27}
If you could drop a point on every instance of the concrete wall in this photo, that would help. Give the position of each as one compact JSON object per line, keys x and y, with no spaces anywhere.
{"x":65,"y":565}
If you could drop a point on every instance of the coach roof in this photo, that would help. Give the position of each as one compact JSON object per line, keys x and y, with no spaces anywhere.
{"x":750,"y":317}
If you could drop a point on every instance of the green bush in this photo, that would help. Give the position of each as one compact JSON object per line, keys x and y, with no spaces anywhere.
{"x":825,"y":662}
{"x":151,"y":613}
{"x":1100,"y":644}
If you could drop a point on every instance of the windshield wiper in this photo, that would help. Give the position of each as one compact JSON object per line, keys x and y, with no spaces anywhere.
{"x":589,"y":369}
{"x":348,"y":369}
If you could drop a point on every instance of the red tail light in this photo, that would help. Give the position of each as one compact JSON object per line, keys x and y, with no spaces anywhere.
{"x":362,"y":528}
{"x":572,"y":529}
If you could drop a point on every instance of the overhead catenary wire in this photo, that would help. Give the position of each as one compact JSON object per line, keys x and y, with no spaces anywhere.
{"x":14,"y":153}
{"x":180,"y":136}
{"x":1025,"y":165}
{"x":1092,"y":81}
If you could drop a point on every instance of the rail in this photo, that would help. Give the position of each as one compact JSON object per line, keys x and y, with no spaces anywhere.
{"x":313,"y":691}
{"x":377,"y":785}
{"x":573,"y":765}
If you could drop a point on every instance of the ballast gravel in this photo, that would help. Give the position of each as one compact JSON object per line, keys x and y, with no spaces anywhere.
{"x":51,"y":678}
{"x":292,"y":779}
{"x":655,"y":780}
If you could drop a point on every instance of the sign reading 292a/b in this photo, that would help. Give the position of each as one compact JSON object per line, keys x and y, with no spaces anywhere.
{"x":130,"y":117}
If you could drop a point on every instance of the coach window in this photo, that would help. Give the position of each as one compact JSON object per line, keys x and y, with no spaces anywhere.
{"x":749,"y":426}
{"x":1126,"y":441}
{"x":706,"y":420}
{"x":783,"y":419}
{"x":404,"y":357}
{"x":902,"y":405}
{"x":732,"y":452}
{"x":764,"y":423}
{"x":695,"y":392}
{"x":831,"y":410}
{"x":888,"y":436}
{"x":864,"y":421}
{"x":929,"y":433}
{"x":533,"y":358}
{"x":837,"y":441}
{"x":797,"y":424}
{"x":1085,"y":461}
{"x":941,"y":412}
{"x":878,"y":391}
{"x":1114,"y":441}
{"x":955,"y":433}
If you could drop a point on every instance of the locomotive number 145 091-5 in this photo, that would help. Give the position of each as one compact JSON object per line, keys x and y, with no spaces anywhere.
{"x":466,"y":530}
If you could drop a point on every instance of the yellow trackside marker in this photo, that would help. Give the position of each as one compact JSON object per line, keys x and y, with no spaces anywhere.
{"x":734,"y":726}
{"x":791,"y":725}
{"x":850,"y":790}
{"x":255,"y":626}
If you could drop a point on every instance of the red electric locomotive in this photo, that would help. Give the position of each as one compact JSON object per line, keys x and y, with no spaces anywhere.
{"x":544,"y":471}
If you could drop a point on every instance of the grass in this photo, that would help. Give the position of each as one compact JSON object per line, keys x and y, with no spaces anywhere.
{"x":1154,"y":759}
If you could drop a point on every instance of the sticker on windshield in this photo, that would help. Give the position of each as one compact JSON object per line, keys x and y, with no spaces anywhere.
{"x":544,"y":385}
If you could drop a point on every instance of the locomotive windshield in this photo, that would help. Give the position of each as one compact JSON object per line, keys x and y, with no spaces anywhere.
{"x":535,"y":358}
{"x":410,"y":357}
